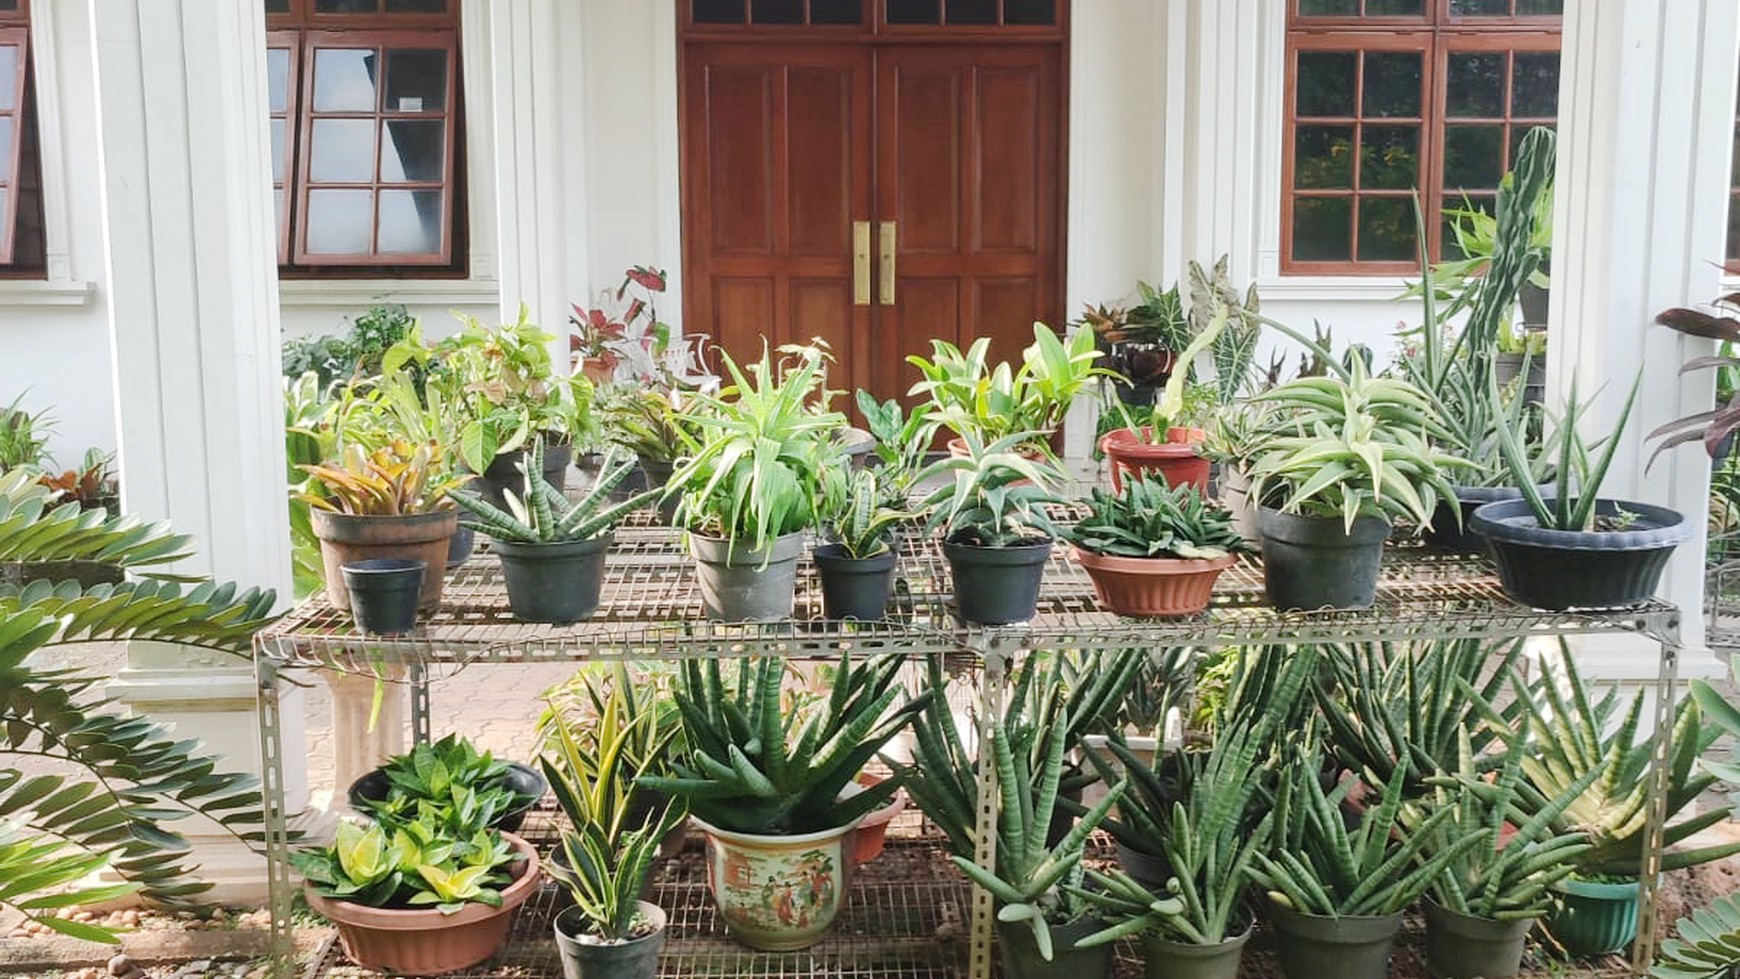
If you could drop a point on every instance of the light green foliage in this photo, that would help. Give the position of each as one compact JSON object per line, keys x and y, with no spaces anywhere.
{"x":355,"y":355}
{"x":971,"y":396}
{"x":33,"y":530}
{"x":450,"y":782}
{"x":903,"y":440}
{"x":864,"y":521}
{"x":23,"y":437}
{"x":1707,"y":946}
{"x":993,"y":496}
{"x":414,"y":865}
{"x":1148,"y":519}
{"x":543,"y":515}
{"x":646,"y":423}
{"x":1579,"y":474}
{"x":1234,"y":346}
{"x":1726,"y":717}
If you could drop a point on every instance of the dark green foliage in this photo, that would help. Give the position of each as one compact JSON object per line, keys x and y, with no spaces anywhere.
{"x":1148,"y":519}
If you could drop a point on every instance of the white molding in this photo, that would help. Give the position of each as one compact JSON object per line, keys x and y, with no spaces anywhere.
{"x":1332,"y":288}
{"x":480,"y":161}
{"x":358,"y":293}
{"x":18,"y":293}
{"x":51,"y":131}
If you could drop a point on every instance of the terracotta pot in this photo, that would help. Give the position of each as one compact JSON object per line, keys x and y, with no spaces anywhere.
{"x":872,"y":833}
{"x":347,"y":539}
{"x":597,"y":370}
{"x":779,"y":893}
{"x":423,"y":942}
{"x":958,"y":448}
{"x":1176,"y":460}
{"x":1151,"y":587}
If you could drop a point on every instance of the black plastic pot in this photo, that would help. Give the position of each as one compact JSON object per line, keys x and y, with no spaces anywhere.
{"x":1151,"y":870}
{"x":1535,"y":300}
{"x":637,"y":959}
{"x":1313,"y":563}
{"x":997,"y":585}
{"x":1565,"y":569}
{"x":854,"y":588}
{"x":1507,"y":366}
{"x":459,"y":546}
{"x":384,"y":593}
{"x":1461,"y":537}
{"x":503,"y":472}
{"x":522,"y":779}
{"x":1594,"y":918}
{"x":1163,"y":959}
{"x":658,"y":473}
{"x":739,"y":584}
{"x":553,"y":582}
{"x":1317,"y":947}
{"x":1463,"y":946}
{"x":1021,"y":959}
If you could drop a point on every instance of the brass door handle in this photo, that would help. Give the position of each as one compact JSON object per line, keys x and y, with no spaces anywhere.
{"x":890,"y":237}
{"x":860,"y":263}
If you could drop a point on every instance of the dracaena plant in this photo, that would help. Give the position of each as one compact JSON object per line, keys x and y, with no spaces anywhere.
{"x":972,"y":396}
{"x":417,"y":865}
{"x":863,"y":523}
{"x":393,"y":480}
{"x":544,"y":515}
{"x":993,"y":496}
{"x":1148,"y":519}
{"x":750,"y":766}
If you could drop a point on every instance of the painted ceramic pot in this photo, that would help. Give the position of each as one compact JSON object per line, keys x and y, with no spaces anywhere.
{"x":779,"y":892}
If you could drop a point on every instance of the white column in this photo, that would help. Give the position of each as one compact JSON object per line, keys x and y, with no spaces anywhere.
{"x":1646,"y":122}
{"x":190,"y":250}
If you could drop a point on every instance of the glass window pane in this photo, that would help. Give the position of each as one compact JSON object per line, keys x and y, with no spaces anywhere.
{"x":1479,"y":8}
{"x":1472,"y":156}
{"x":412,"y":150}
{"x":1325,"y":83}
{"x":1540,"y":8}
{"x":1392,"y":83}
{"x":410,"y":222}
{"x":1475,"y":87}
{"x":1394,"y":8}
{"x":272,"y":6}
{"x":338,"y":221}
{"x":416,"y":6}
{"x":1323,"y":157}
{"x":342,"y":151}
{"x":1328,"y":8}
{"x":278,"y":210}
{"x":1390,"y":157}
{"x":344,"y":79}
{"x":1733,"y":228}
{"x":1322,"y":229}
{"x":416,"y":81}
{"x":6,"y":146}
{"x":836,"y":11}
{"x":8,"y":76}
{"x":914,"y":11}
{"x":972,"y":11}
{"x":1029,"y":11}
{"x":1386,"y":229}
{"x":1457,"y":221}
{"x":776,"y":11}
{"x":718,"y":11}
{"x":346,"y":6}
{"x":277,"y":79}
{"x":1534,"y":90}
{"x":277,"y":150}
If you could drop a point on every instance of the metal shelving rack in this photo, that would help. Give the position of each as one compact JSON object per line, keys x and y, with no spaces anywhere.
{"x":650,"y":609}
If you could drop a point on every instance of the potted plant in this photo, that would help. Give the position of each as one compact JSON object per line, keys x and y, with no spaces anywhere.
{"x":382,"y":505}
{"x":972,"y":397}
{"x":1577,"y":550}
{"x":903,"y":440}
{"x":768,"y":460}
{"x":768,"y":788}
{"x":552,"y":549}
{"x":1338,"y":462}
{"x":1336,"y":895}
{"x":649,"y":423}
{"x":1140,"y":342}
{"x":1152,"y":550}
{"x":419,"y":901}
{"x":384,"y":593}
{"x":856,"y":564}
{"x":480,"y":789}
{"x":996,"y":535}
{"x":1162,"y":446}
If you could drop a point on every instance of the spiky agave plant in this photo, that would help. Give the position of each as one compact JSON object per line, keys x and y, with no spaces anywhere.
{"x":543,"y":515}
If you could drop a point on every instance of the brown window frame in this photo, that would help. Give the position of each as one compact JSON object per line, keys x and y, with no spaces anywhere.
{"x":1437,"y":34}
{"x":12,"y":165}
{"x":873,"y":21}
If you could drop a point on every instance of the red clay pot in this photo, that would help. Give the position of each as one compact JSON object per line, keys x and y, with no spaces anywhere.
{"x":1176,"y":460}
{"x":346,"y":538}
{"x":1152,"y":587}
{"x":958,"y":448}
{"x":425,"y":942}
{"x":871,"y":835}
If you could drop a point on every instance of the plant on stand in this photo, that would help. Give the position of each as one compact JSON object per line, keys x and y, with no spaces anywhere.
{"x":650,"y":424}
{"x":450,"y":774}
{"x":770,"y":787}
{"x":1154,"y":550}
{"x":972,"y":397}
{"x":856,"y":564}
{"x":1162,"y":446}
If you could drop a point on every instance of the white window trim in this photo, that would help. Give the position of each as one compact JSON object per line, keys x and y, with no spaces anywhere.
{"x":355,"y":293}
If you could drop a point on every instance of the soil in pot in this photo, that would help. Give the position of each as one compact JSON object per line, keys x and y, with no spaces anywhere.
{"x":1176,"y":460}
{"x":1019,"y":952}
{"x":423,"y":941}
{"x":854,"y":588}
{"x":347,"y":539}
{"x":1152,"y":587}
{"x":384,"y":593}
{"x":503,"y":472}
{"x":1316,"y":947}
{"x":997,"y":585}
{"x":1462,"y":946}
{"x":637,"y":958}
{"x":1166,"y":959}
{"x":524,"y":780}
{"x":740,"y":584}
{"x":779,"y":893}
{"x":557,"y":583}
{"x":1312,"y":563}
{"x":1601,"y":569}
{"x":1594,"y":918}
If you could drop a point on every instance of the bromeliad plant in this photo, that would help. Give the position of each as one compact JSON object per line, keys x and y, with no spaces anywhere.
{"x":1148,"y":519}
{"x":417,"y":865}
{"x":544,"y":515}
{"x":393,"y":480}
{"x":972,"y":397}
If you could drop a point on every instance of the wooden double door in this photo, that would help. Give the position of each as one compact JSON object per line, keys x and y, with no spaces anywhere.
{"x":874,"y":195}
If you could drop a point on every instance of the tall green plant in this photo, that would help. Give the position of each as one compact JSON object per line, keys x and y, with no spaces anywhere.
{"x":993,"y":496}
{"x":1579,"y":474}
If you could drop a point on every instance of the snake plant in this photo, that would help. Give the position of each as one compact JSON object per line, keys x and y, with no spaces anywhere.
{"x":1148,"y":519}
{"x":543,"y":515}
{"x":863,"y":522}
{"x":751,"y":767}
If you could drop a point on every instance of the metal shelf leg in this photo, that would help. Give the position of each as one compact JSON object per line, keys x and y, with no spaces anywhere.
{"x":277,"y":825}
{"x":1661,"y":780}
{"x":992,"y":686}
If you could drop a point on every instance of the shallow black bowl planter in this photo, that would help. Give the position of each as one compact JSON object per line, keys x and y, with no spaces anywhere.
{"x":997,"y":585}
{"x":854,"y":588}
{"x":556,"y":583}
{"x":522,"y":780}
{"x":1566,"y":569}
{"x":636,"y":959}
{"x":384,"y":593}
{"x":1314,"y":563}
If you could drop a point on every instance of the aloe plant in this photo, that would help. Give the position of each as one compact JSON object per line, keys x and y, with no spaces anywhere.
{"x":1148,"y":519}
{"x":450,"y":783}
{"x":1579,"y":474}
{"x":543,"y":515}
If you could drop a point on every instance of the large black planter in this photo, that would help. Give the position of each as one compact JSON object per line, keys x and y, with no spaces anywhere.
{"x":522,"y":780}
{"x":1151,"y":870}
{"x":503,"y":472}
{"x":1314,"y":563}
{"x":997,"y":585}
{"x":854,"y":588}
{"x":637,"y":959}
{"x":1021,"y":959}
{"x":556,"y":583}
{"x":740,"y":584}
{"x":657,"y":473}
{"x":1564,"y":569}
{"x":1463,"y":946}
{"x":1317,"y":947}
{"x":384,"y":593}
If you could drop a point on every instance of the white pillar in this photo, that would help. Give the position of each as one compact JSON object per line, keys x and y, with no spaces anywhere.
{"x":191,"y":255}
{"x":1646,"y":122}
